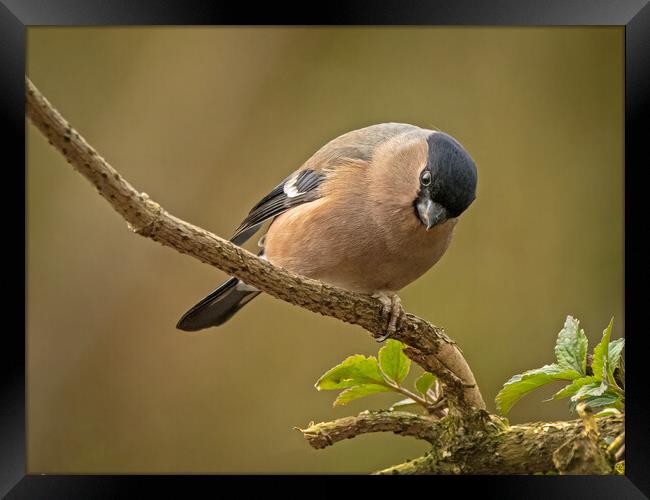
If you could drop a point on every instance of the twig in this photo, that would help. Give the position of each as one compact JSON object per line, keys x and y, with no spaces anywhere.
{"x":617,"y":447}
{"x":402,"y":423}
{"x":428,"y":344}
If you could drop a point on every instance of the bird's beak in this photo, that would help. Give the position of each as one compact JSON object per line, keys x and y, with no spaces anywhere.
{"x":430,"y":212}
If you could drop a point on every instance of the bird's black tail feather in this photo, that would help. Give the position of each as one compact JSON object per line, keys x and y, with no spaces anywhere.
{"x":218,"y":307}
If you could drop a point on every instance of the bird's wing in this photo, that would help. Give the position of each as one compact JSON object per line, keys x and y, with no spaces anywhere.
{"x":302,"y":186}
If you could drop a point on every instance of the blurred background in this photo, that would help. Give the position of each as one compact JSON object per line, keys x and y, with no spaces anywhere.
{"x":207,"y":121}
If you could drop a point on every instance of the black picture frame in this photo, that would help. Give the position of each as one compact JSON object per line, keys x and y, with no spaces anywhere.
{"x":16,"y":15}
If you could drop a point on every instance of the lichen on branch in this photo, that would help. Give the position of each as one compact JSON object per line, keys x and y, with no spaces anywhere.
{"x":480,"y":444}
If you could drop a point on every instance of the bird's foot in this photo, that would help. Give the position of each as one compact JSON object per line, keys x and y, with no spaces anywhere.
{"x":392,"y":310}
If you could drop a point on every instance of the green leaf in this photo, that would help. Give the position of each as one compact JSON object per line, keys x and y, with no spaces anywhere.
{"x":571,"y":346}
{"x":614,"y":354}
{"x":359,"y":391}
{"x":572,"y":388}
{"x":601,"y":352}
{"x":405,"y":404}
{"x":606,"y":399}
{"x":520,"y":385}
{"x":593,"y":389}
{"x":424,"y":383}
{"x":354,"y":370}
{"x":394,"y":363}
{"x":608,"y":411}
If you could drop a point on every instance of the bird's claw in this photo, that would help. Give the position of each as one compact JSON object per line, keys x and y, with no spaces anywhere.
{"x":392,"y":310}
{"x":379,"y":340}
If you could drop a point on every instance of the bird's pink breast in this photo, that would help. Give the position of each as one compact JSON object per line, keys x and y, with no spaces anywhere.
{"x":332,"y":243}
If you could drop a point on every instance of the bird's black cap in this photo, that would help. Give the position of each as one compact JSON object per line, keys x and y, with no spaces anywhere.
{"x":453,"y":173}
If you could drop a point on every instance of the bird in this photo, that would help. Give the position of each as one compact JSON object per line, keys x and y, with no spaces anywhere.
{"x":370,"y":211}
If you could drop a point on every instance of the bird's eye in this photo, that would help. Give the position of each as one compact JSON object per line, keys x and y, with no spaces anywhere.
{"x":425,"y":178}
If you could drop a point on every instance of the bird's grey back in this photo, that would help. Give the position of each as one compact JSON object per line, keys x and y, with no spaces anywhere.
{"x":357,"y":144}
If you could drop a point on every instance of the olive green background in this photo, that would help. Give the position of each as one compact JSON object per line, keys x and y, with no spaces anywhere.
{"x":206,"y":121}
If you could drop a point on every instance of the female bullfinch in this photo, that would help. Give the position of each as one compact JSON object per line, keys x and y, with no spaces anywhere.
{"x":370,"y":211}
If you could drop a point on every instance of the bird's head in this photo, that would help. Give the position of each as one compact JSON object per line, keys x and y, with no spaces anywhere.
{"x":447,"y":183}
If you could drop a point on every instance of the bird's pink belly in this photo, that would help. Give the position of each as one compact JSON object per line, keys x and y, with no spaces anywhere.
{"x":349,"y":257}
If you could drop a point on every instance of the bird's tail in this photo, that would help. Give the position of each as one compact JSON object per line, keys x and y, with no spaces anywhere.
{"x":218,"y":307}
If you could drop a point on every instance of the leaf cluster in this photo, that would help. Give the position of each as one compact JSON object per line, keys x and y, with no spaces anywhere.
{"x":359,"y":376}
{"x":600,"y":385}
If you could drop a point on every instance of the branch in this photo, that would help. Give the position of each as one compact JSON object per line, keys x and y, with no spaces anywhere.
{"x":520,"y":449}
{"x":481,"y":444}
{"x":405,"y":424}
{"x":428,"y":344}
